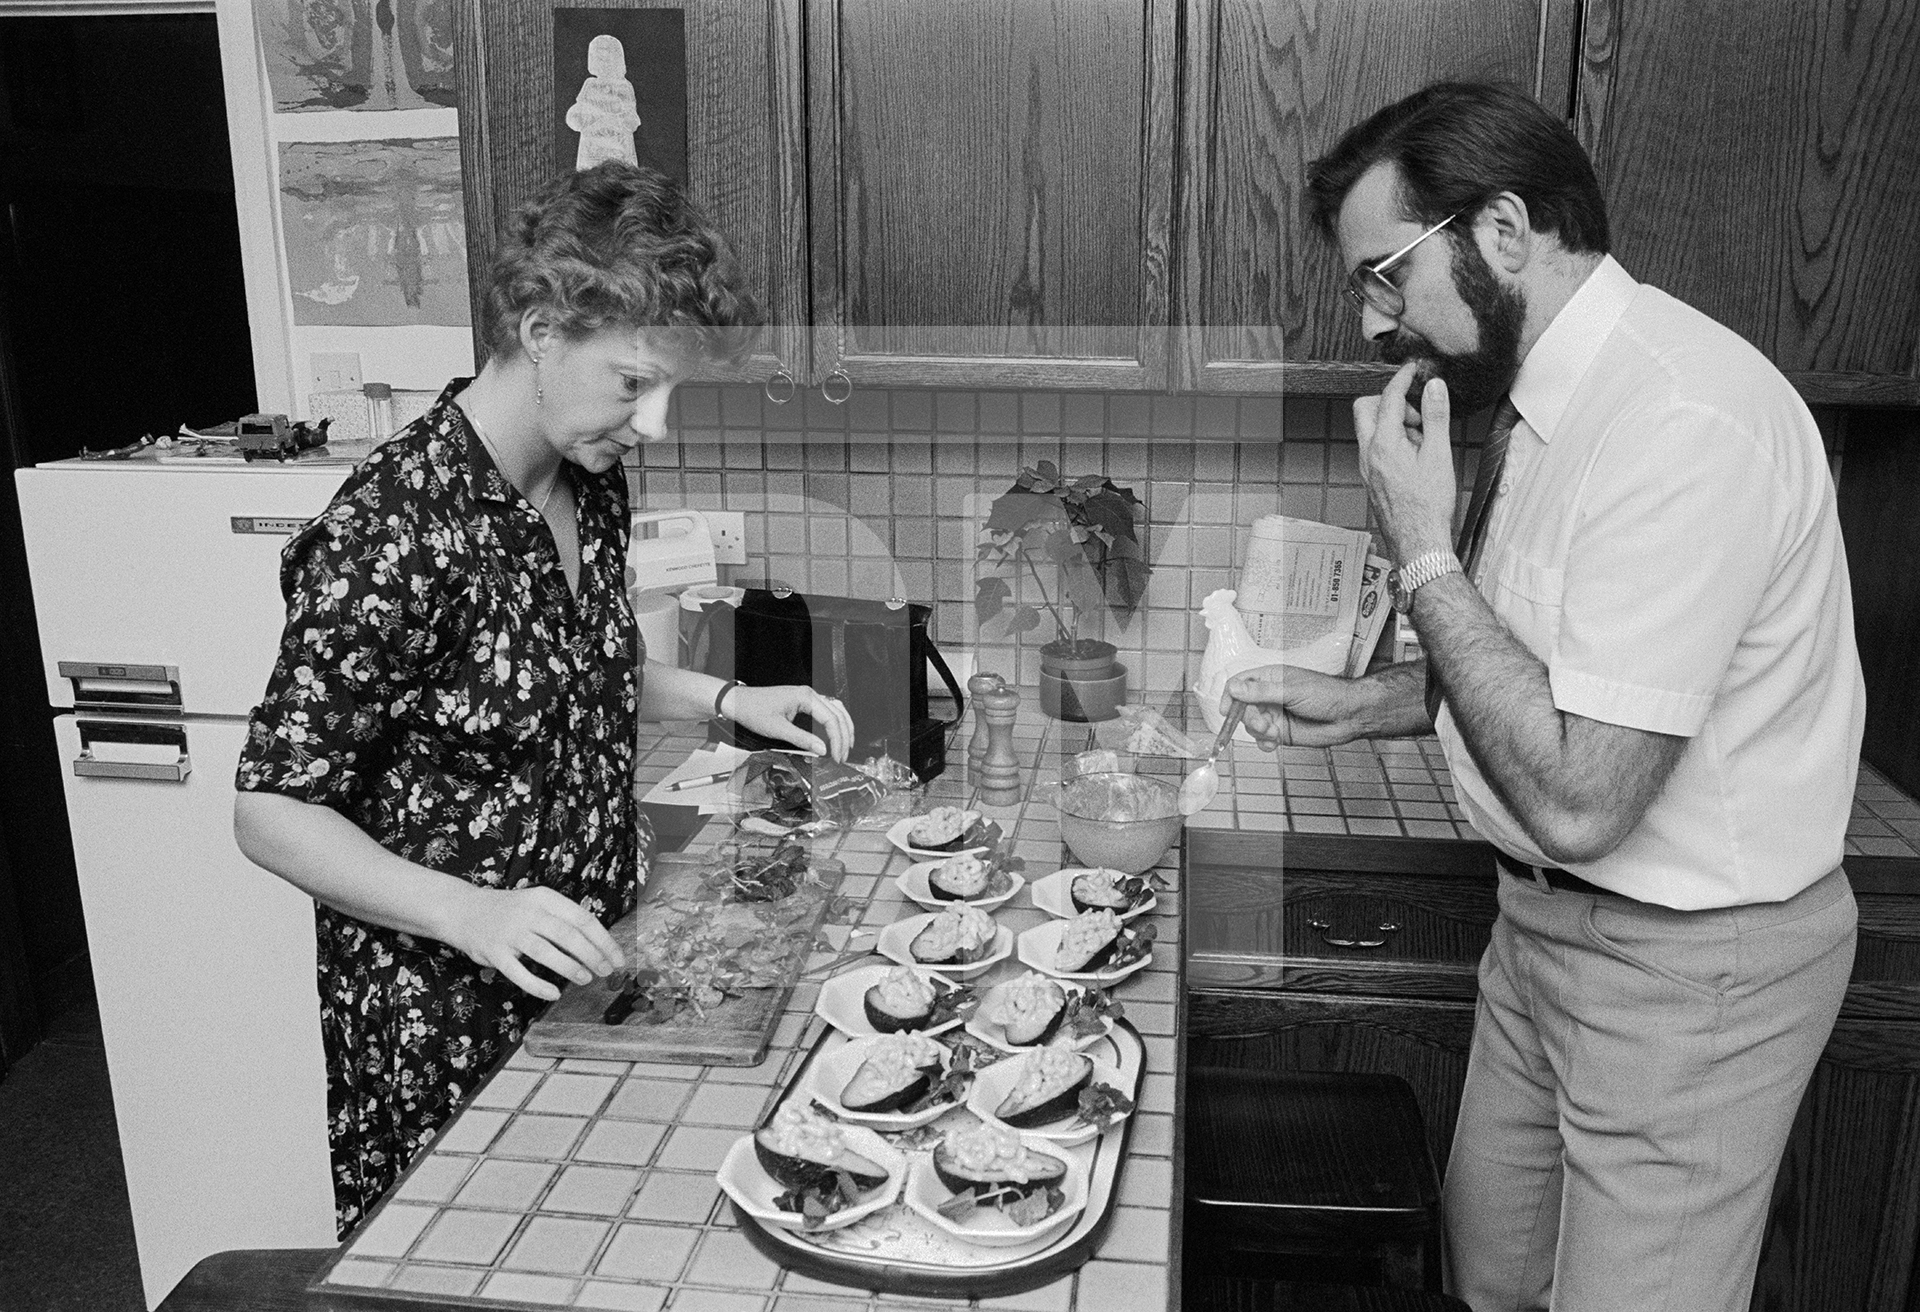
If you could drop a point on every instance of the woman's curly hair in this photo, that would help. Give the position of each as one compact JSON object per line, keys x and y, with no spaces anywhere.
{"x":620,"y":246}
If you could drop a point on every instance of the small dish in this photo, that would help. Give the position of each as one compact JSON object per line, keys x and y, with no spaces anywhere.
{"x":991,"y":1032}
{"x":842,"y":1001}
{"x":1038,"y":947}
{"x":913,"y":881}
{"x":827,"y":1078}
{"x":986,"y":1226}
{"x":1054,"y":894}
{"x":744,"y":1180}
{"x":992,"y":1085}
{"x":896,"y":941}
{"x":897,"y":835}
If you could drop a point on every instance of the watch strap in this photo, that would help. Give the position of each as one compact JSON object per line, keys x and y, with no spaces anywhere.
{"x":1426,"y":567}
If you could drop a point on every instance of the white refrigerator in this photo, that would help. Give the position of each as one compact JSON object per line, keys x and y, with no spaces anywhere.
{"x":156,"y":586}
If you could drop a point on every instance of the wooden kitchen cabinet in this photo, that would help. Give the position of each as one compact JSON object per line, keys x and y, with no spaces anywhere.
{"x":1270,"y":989}
{"x":1270,"y":86}
{"x":1761,"y":161}
{"x":746,"y":143}
{"x":992,"y":191}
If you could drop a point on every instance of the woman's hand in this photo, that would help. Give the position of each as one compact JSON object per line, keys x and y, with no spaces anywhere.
{"x":498,"y":927}
{"x":770,"y":712}
{"x":1292,"y":707}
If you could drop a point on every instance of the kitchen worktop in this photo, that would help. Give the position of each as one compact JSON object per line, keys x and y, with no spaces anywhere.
{"x":588,"y":1183}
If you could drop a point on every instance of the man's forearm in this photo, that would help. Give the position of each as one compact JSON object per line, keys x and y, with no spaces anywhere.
{"x":1503,"y":704}
{"x":1396,"y":702}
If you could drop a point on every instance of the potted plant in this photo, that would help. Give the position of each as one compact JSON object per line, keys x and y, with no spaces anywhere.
{"x":1084,"y":529}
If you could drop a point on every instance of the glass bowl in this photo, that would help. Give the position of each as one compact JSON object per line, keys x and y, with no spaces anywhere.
{"x":1123,"y":821}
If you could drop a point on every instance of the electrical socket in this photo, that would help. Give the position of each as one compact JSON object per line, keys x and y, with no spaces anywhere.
{"x":729,"y":530}
{"x":334,"y":371}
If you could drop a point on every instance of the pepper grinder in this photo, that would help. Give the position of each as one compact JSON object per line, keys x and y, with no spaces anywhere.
{"x":999,"y":775}
{"x":977,"y":687}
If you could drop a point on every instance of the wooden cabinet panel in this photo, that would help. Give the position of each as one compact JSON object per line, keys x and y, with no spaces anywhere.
{"x":992,"y":190}
{"x":1845,"y":1224}
{"x":1271,"y":85}
{"x":1761,"y":161}
{"x":746,"y":146}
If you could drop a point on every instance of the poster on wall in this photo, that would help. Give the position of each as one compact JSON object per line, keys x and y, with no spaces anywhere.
{"x":357,"y":54}
{"x":620,"y":88}
{"x":375,"y":232}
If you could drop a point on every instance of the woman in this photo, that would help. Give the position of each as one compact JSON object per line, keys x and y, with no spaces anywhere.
{"x":444,"y":756}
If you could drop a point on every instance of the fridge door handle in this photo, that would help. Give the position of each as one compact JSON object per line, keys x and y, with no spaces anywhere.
{"x":89,"y":766}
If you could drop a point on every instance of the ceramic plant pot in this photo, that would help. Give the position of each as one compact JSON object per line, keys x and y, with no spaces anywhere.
{"x":1082,"y":682}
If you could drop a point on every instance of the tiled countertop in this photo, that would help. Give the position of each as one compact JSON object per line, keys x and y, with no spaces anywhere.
{"x":577,"y":1183}
{"x":1401,"y":788}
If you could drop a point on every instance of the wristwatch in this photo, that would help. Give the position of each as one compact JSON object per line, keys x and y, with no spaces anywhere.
{"x":1407,"y":579}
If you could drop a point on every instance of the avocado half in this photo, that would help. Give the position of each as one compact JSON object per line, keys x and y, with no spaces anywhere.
{"x":887,"y":1022}
{"x":807,"y":1173}
{"x":870,"y":1091}
{"x":1043,"y":1170}
{"x":1054,"y":1100}
{"x":1116,"y":903}
{"x":957,"y":957}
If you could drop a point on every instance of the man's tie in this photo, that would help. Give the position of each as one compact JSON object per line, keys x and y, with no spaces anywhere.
{"x":1473,"y":529}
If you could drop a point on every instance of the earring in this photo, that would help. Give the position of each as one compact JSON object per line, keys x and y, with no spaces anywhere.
{"x":539,"y":392}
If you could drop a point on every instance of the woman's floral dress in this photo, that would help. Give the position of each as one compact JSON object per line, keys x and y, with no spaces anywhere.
{"x":439,"y":686}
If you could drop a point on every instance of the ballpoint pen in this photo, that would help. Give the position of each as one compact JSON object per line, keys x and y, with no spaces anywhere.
{"x":699,"y":781}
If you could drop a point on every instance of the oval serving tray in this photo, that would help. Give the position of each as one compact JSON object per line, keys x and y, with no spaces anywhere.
{"x":890,"y":1253}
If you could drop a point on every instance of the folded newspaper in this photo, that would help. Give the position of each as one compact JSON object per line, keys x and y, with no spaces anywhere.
{"x":1313,"y":594}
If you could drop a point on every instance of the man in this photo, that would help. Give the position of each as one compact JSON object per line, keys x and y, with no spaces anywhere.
{"x":1651,"y":705}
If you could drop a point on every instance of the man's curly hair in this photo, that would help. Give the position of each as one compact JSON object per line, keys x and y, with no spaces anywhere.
{"x":620,"y":246}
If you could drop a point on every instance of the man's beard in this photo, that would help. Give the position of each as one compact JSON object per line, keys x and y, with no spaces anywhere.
{"x":1478,"y":378}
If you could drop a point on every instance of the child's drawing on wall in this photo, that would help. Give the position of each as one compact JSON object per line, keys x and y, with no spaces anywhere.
{"x":604,"y":113}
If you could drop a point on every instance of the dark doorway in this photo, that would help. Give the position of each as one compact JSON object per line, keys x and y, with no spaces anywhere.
{"x":122,"y":312}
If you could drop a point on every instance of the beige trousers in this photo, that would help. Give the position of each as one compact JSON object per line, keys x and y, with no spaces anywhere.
{"x":1634,"y":1074}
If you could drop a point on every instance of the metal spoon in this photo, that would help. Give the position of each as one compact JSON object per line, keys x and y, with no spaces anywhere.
{"x":1202,"y":783}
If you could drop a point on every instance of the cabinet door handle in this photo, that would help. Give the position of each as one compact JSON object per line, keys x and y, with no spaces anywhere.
{"x":88,"y":766}
{"x":1327,"y":937}
{"x":780,"y":386}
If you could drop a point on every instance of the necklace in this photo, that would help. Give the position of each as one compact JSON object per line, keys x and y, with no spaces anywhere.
{"x":553,"y":483}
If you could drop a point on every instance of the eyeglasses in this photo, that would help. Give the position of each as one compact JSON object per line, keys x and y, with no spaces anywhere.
{"x":1368,"y":285}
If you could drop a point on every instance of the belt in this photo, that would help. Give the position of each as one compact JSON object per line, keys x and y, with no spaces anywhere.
{"x":1564,"y":881}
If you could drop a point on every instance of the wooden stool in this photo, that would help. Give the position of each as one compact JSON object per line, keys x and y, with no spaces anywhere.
{"x":1308,"y":1176}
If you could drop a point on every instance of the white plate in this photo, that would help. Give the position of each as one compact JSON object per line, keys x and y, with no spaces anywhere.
{"x":993,"y":1032}
{"x":1054,"y":894}
{"x":992,"y":1085}
{"x":1039,"y":946}
{"x":913,"y":881}
{"x":987,"y":1226}
{"x":896,"y":942}
{"x":829,"y":1072}
{"x":898,"y":837}
{"x":842,"y":1001}
{"x":745,"y":1181}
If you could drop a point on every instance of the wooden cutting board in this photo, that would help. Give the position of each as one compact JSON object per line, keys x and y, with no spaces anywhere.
{"x":735,"y":1032}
